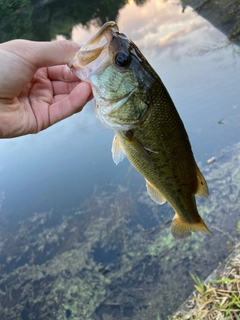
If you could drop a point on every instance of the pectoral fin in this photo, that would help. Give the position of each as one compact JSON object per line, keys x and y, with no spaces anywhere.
{"x":202,"y":189}
{"x":118,"y":153}
{"x":137,"y":147}
{"x":182,"y":229}
{"x":154,"y":193}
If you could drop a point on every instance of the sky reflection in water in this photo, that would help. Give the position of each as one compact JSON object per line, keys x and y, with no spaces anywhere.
{"x":200,"y":69}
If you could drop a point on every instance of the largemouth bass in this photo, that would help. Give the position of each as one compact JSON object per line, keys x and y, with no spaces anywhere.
{"x":131,"y":99}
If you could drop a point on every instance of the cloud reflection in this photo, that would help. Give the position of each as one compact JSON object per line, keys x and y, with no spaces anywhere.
{"x":159,"y":28}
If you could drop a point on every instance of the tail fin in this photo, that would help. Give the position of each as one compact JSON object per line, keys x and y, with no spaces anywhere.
{"x":181,"y":229}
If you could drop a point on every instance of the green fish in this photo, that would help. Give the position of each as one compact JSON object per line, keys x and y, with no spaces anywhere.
{"x":131,"y":100}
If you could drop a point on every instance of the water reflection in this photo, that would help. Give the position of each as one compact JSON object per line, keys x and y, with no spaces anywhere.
{"x":79,"y":237}
{"x":113,"y":257}
{"x":44,"y":19}
{"x":223,"y":14}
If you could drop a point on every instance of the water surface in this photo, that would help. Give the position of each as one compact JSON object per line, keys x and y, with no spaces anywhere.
{"x":79,"y":236}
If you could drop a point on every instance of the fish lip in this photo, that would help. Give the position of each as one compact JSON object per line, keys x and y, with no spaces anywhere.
{"x":92,"y":49}
{"x":110,"y":25}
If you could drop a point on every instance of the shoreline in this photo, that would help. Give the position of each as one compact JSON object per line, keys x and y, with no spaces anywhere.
{"x":217,"y":297}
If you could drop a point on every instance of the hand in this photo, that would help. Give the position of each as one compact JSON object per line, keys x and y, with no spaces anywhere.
{"x":37,"y":89}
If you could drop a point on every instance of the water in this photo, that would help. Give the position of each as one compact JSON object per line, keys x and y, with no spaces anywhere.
{"x":79,"y":237}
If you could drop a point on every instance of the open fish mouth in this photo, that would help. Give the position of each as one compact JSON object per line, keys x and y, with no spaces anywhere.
{"x":92,"y":50}
{"x":96,"y":39}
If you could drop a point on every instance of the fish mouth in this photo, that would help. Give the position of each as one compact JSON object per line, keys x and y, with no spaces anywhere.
{"x":94,"y":48}
{"x":110,"y":25}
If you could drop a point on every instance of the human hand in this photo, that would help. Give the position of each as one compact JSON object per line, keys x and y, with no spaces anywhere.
{"x":37,"y":89}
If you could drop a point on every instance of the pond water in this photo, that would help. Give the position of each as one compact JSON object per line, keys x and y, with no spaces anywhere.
{"x":79,"y":237}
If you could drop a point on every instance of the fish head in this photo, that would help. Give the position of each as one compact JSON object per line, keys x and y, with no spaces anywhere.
{"x":120,"y":77}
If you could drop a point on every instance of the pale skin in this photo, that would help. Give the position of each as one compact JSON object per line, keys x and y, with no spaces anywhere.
{"x":37,"y":89}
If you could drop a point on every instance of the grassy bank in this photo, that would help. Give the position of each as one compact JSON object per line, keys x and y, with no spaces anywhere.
{"x":215,"y":298}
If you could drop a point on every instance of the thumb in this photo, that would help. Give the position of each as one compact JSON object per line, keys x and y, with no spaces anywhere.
{"x":43,"y":54}
{"x":20,"y":59}
{"x":53,"y":53}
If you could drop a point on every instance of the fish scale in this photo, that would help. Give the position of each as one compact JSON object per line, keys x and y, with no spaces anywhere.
{"x":166,"y":158}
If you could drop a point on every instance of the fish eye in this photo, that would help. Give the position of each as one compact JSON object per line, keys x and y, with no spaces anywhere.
{"x":122,"y":59}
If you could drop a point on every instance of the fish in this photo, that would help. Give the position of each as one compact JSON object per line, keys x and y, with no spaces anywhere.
{"x":131,"y":100}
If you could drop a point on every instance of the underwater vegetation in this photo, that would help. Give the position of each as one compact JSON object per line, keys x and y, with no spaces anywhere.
{"x":113,"y":257}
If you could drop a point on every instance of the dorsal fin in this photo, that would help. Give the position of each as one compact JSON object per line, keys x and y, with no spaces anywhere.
{"x":118,"y":153}
{"x":202,"y":189}
{"x":154,"y":193}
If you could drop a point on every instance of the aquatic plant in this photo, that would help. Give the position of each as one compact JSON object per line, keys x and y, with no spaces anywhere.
{"x":113,"y":257}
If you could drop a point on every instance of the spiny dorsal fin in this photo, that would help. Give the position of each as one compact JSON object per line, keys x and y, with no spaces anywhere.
{"x":118,"y":153}
{"x":154,"y":193}
{"x":202,"y":189}
{"x":182,"y":229}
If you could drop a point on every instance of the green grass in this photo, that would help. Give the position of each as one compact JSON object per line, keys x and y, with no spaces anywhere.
{"x":217,"y":299}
